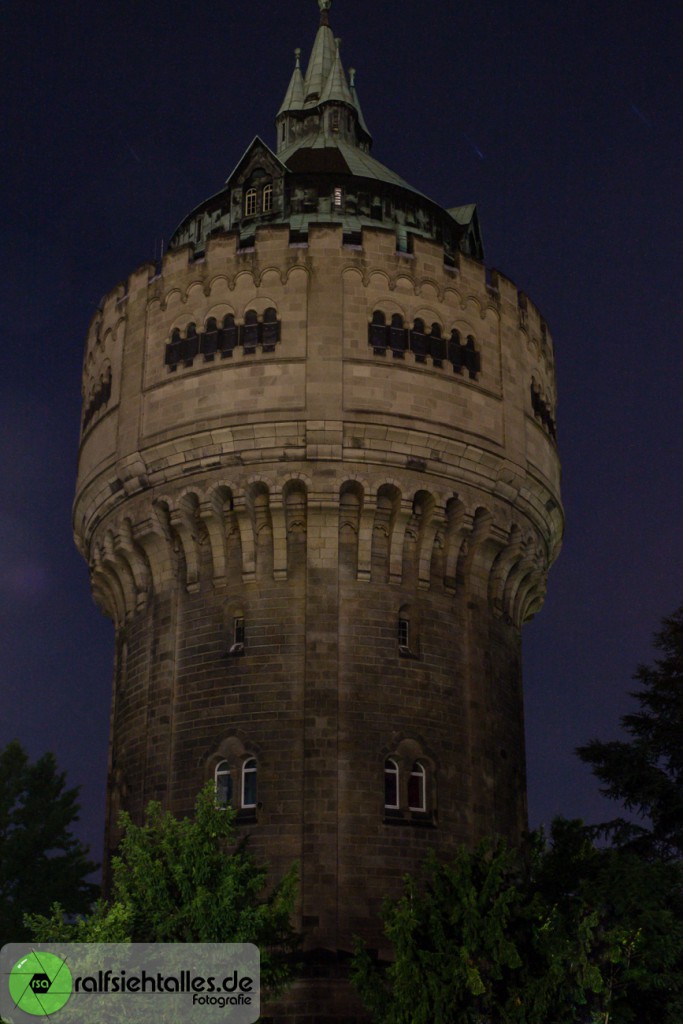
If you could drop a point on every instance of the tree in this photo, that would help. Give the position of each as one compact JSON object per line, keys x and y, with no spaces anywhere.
{"x":645,"y":772}
{"x":187,"y":880}
{"x":40,"y":859}
{"x":560,"y":933}
{"x":638,"y":906}
{"x":475,"y":941}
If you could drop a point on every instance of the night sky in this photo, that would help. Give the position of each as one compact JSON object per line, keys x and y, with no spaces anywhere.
{"x":563,"y":123}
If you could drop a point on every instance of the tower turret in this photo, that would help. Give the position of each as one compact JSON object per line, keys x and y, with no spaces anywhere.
{"x":318,"y":493}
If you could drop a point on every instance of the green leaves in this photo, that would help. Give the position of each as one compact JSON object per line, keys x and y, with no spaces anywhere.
{"x":560,"y":932}
{"x":189,"y":880}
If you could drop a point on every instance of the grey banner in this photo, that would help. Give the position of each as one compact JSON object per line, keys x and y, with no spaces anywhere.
{"x":117,"y":983}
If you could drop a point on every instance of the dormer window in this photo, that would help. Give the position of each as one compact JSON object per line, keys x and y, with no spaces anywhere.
{"x":334,"y":120}
{"x":267,"y":198}
{"x":250,"y":202}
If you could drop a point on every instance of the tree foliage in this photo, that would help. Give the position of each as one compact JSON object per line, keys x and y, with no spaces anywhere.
{"x":560,"y":933}
{"x":40,"y":859}
{"x":188,"y":880}
{"x":645,"y":771}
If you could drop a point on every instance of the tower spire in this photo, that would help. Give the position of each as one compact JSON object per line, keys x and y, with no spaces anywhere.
{"x":324,"y":6}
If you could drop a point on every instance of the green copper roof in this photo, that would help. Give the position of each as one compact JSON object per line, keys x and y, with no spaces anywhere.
{"x":320,"y":64}
{"x":336,"y":88}
{"x":294,"y":98}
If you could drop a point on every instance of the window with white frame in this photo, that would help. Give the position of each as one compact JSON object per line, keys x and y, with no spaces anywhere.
{"x":223,"y":782}
{"x":267,"y":198}
{"x":391,"y":784}
{"x":250,"y":202}
{"x":249,"y":770}
{"x":417,"y":788}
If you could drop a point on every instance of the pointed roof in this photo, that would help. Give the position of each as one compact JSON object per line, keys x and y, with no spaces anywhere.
{"x":294,"y":97}
{"x":322,"y":59}
{"x":356,"y":101}
{"x":336,"y":88}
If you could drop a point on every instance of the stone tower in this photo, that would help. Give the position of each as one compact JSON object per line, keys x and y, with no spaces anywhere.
{"x":318,"y":493}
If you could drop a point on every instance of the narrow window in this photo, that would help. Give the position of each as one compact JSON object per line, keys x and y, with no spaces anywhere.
{"x":267,"y":198}
{"x":270,"y":330}
{"x":334,"y":119}
{"x":238,"y":630}
{"x":209,"y":339}
{"x":338,"y":197}
{"x":250,"y":331}
{"x":404,"y":636}
{"x":418,"y":341}
{"x":249,"y":783}
{"x":437,"y":345}
{"x":223,"y":781}
{"x":397,"y":336}
{"x":250,"y":198}
{"x":228,"y":336}
{"x":377,"y":332}
{"x":417,"y":788}
{"x":390,"y":783}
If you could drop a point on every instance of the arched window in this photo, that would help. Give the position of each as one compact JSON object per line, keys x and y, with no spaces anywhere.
{"x":250,"y":202}
{"x":418,"y":341}
{"x":391,"y":783}
{"x":454,"y":351}
{"x":267,"y":198}
{"x":417,"y":788}
{"x":250,"y":331}
{"x":377,"y":332}
{"x":471,"y":358}
{"x":437,"y":345}
{"x":228,"y":336}
{"x":404,"y":635}
{"x":209,"y":340}
{"x":270,"y":330}
{"x":189,"y":346}
{"x":173,"y":349}
{"x":223,"y":780}
{"x":397,"y":336}
{"x":249,"y":769}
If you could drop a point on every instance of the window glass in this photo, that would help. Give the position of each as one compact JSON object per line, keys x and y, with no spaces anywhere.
{"x":390,"y":783}
{"x":223,"y":784}
{"x":249,"y":783}
{"x":250,"y":202}
{"x":267,"y":198}
{"x":417,"y":788}
{"x":403,"y":633}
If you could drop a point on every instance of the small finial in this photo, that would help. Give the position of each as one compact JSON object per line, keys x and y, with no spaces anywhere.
{"x":338,"y":43}
{"x":297,"y":55}
{"x":352,"y":77}
{"x":324,"y":6}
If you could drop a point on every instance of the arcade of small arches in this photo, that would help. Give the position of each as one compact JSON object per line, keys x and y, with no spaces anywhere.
{"x":222,"y":339}
{"x":420,"y":540}
{"x":397,"y":338}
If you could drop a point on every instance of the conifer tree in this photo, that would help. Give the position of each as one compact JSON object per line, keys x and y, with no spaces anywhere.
{"x":645,"y":771}
{"x":41,"y":861}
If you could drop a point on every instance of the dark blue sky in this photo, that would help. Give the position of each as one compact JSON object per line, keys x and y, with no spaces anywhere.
{"x":561,"y":121}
